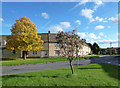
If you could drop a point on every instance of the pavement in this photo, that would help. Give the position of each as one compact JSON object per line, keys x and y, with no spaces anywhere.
{"x":8,"y":70}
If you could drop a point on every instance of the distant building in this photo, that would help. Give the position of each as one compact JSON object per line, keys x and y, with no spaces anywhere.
{"x":50,"y":49}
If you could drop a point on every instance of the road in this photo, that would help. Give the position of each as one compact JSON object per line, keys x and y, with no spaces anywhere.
{"x":7,"y":70}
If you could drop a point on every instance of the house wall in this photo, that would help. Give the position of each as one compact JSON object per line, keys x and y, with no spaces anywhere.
{"x":52,"y":49}
{"x":49,"y":50}
{"x":9,"y":54}
{"x":84,"y":51}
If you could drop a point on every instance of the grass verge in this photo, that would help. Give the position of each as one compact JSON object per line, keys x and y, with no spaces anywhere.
{"x":86,"y":75}
{"x":20,"y":61}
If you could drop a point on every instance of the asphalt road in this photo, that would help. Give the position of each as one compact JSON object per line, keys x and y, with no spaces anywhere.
{"x":7,"y":70}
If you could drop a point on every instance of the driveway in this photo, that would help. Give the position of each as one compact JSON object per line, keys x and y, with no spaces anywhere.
{"x":7,"y":70}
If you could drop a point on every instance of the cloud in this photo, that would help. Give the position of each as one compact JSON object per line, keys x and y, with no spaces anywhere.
{"x":105,"y":21}
{"x":88,"y":13}
{"x":59,"y":27}
{"x":101,"y":19}
{"x":97,"y":3}
{"x":92,"y":35}
{"x":78,"y":22}
{"x":109,"y":26}
{"x":81,"y":3}
{"x":101,"y":34}
{"x":88,"y":35}
{"x":115,"y":20}
{"x":107,"y":41}
{"x":99,"y":27}
{"x":82,"y":35}
{"x":65,"y":24}
{"x":1,"y":19}
{"x":55,"y":28}
{"x":45,"y":15}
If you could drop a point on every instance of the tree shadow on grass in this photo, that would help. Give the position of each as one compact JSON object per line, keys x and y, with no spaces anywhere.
{"x":13,"y":76}
{"x":50,"y":76}
{"x":89,"y":68}
{"x":112,"y":70}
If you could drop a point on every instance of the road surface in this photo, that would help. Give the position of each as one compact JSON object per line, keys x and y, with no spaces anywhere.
{"x":7,"y":70}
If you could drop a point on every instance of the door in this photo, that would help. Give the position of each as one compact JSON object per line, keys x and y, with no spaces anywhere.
{"x":43,"y":53}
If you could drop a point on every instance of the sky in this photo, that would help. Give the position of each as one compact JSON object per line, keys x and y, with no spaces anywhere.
{"x":95,"y":21}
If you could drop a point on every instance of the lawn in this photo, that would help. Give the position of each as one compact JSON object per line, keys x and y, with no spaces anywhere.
{"x":85,"y":75}
{"x":20,"y":61}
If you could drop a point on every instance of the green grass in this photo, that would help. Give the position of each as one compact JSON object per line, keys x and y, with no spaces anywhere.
{"x":19,"y":61}
{"x":85,"y":75}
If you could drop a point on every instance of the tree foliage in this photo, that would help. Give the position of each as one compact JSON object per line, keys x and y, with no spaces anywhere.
{"x":70,"y":44}
{"x":24,"y":36}
{"x":95,"y":48}
{"x":111,"y":51}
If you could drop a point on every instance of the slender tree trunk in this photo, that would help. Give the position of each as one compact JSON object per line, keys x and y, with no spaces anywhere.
{"x":24,"y":55}
{"x":71,"y":66}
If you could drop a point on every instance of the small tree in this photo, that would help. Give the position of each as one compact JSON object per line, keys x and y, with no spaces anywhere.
{"x":70,"y":44}
{"x":24,"y":37}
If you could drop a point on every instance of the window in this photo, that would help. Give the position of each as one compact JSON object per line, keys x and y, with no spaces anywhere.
{"x":34,"y":52}
{"x":3,"y":43}
{"x":0,"y":43}
{"x":14,"y":52}
{"x":56,"y":44}
{"x":57,"y":52}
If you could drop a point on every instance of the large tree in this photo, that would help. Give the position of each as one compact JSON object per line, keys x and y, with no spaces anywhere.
{"x":70,"y":44}
{"x":24,"y":37}
{"x":96,"y":48}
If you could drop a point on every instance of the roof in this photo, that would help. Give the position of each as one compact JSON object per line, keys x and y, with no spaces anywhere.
{"x":45,"y":37}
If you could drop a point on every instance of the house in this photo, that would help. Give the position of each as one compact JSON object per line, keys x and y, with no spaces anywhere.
{"x":50,"y":45}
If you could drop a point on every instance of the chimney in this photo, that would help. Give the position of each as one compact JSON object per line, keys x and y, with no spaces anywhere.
{"x":49,"y":31}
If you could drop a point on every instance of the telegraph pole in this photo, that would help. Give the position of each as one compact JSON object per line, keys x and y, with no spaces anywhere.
{"x":110,"y":44}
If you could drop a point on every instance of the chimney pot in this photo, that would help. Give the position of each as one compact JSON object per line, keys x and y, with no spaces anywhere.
{"x":49,"y":32}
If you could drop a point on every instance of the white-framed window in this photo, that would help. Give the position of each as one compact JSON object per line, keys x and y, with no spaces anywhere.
{"x":57,"y":52}
{"x":56,"y":44}
{"x":34,"y":52}
{"x":3,"y":43}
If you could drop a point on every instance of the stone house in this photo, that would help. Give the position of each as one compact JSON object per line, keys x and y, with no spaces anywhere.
{"x":50,"y":45}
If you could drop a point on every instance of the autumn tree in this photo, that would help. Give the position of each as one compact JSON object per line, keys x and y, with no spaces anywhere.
{"x":70,"y":44}
{"x":24,"y":37}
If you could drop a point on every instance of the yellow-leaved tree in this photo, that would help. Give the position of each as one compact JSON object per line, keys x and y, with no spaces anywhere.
{"x":24,"y":37}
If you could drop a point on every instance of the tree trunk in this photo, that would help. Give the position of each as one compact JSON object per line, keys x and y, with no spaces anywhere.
{"x":24,"y":55}
{"x":71,"y":66}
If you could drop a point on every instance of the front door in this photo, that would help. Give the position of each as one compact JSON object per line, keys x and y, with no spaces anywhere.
{"x":43,"y":53}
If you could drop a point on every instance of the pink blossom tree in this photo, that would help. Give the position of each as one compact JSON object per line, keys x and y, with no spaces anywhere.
{"x":70,"y":44}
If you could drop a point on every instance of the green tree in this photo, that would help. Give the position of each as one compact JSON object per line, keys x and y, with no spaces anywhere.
{"x":24,"y":37}
{"x":96,"y":48}
{"x":91,"y":47}
{"x":70,"y":44}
